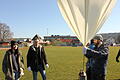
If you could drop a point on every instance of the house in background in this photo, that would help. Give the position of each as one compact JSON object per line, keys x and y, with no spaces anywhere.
{"x":63,"y":40}
{"x":4,"y":44}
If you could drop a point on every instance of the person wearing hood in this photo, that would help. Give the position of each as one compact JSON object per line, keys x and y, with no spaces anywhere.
{"x":99,"y":57}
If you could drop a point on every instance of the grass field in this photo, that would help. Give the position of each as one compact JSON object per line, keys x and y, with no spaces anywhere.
{"x":66,"y":62}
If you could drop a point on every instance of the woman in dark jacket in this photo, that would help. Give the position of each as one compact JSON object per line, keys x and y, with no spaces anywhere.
{"x":12,"y":65}
{"x":36,"y":58}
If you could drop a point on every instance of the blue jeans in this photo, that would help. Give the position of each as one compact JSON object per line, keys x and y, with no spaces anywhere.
{"x":16,"y":75}
{"x":40,"y":69}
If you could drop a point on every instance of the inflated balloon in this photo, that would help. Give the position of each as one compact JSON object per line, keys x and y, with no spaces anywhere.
{"x":85,"y":17}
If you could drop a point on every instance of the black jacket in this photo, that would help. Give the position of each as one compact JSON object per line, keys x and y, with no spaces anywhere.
{"x":100,"y":57}
{"x":118,"y":55}
{"x":7,"y":64}
{"x":33,"y":60}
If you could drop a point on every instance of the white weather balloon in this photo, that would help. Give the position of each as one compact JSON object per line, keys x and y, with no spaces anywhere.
{"x":85,"y":17}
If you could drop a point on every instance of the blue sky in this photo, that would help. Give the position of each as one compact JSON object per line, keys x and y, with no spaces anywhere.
{"x":29,"y":17}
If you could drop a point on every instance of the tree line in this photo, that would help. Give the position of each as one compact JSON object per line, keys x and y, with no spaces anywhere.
{"x":5,"y":32}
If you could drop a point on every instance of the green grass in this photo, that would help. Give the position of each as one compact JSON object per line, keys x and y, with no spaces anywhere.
{"x":66,"y":62}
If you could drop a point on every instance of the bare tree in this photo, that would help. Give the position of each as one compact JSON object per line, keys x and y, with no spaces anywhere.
{"x":5,"y":32}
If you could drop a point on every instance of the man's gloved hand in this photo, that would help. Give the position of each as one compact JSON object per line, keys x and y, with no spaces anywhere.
{"x":44,"y":71}
{"x":47,"y":66}
{"x":29,"y":68}
{"x":84,"y":50}
{"x":21,"y":72}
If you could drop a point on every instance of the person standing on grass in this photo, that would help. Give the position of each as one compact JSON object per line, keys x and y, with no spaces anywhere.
{"x":36,"y":58}
{"x":100,"y":58}
{"x":90,"y":61}
{"x":117,"y":57}
{"x":13,"y":63}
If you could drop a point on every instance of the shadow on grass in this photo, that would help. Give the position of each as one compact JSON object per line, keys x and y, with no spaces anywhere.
{"x":116,"y":79}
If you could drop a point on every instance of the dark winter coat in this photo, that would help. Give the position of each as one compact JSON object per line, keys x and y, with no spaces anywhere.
{"x":7,"y":64}
{"x":100,"y":58}
{"x":118,"y":55}
{"x":32,"y":58}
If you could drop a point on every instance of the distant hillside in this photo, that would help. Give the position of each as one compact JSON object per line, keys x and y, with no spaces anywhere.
{"x":112,"y":36}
